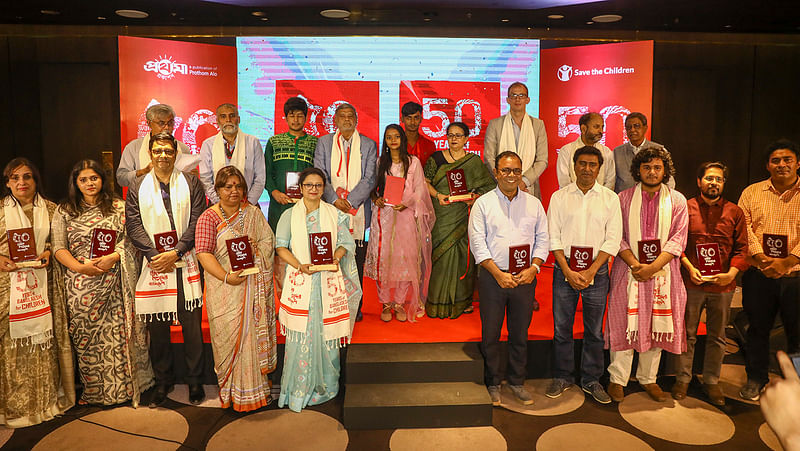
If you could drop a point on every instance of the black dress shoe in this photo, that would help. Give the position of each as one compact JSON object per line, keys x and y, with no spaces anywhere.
{"x":160,"y":395}
{"x":196,"y":394}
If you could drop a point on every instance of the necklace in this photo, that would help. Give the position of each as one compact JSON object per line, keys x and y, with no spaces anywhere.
{"x":239,"y":221}
{"x":450,"y":152}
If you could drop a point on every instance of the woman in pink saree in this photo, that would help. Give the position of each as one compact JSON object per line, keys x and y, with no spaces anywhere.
{"x":399,"y":251}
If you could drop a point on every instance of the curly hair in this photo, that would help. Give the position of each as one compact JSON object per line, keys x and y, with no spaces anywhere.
{"x":647,"y":154}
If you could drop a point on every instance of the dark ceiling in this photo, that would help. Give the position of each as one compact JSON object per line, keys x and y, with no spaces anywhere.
{"x":725,"y":16}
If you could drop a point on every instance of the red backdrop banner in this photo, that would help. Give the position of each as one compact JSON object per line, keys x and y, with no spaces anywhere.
{"x":611,"y":79}
{"x":471,"y":102}
{"x":323,"y":96}
{"x":192,"y":78}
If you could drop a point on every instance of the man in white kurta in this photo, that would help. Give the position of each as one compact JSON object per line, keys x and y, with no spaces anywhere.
{"x":591,"y":132}
{"x":135,"y":159}
{"x":232,"y":147}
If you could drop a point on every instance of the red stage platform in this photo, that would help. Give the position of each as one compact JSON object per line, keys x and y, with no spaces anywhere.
{"x":428,"y":330}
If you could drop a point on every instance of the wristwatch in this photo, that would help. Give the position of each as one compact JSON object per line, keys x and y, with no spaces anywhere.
{"x":178,"y":253}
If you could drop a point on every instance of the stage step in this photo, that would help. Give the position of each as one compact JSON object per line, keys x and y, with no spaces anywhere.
{"x":417,"y":405}
{"x":414,"y":362}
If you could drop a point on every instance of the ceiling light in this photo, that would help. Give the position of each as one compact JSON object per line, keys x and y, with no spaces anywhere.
{"x":50,"y":12}
{"x":101,"y":18}
{"x":426,"y":19}
{"x":265,"y":19}
{"x":555,"y":16}
{"x":503,"y":20}
{"x":258,"y":13}
{"x":132,"y":13}
{"x":607,"y":18}
{"x":335,"y":13}
{"x":589,"y":22}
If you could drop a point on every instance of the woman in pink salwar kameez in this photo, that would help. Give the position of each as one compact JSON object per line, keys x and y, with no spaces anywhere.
{"x":399,"y":251}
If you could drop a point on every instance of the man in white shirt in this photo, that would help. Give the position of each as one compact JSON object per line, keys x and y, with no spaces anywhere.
{"x":520,"y":133}
{"x":508,"y":236}
{"x":635,"y":129}
{"x":135,"y":159}
{"x":232,"y":147}
{"x":591,"y":132}
{"x":585,"y":227}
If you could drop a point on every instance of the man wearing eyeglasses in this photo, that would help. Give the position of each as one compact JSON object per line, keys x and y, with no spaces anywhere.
{"x":349,"y":161}
{"x":585,"y":225}
{"x":232,"y":147}
{"x":716,"y":250}
{"x":161,"y":213}
{"x":135,"y":160}
{"x":508,"y":238}
{"x":635,"y":130}
{"x":520,"y":133}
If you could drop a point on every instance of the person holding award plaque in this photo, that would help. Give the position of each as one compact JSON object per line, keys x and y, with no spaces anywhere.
{"x":585,"y":225}
{"x":35,"y":353}
{"x":508,"y":235}
{"x":285,"y":156}
{"x":321,"y":294}
{"x":716,"y":252}
{"x":648,"y":298}
{"x":161,"y":213}
{"x":399,"y":255}
{"x":772,"y":284}
{"x":235,"y":245}
{"x":455,"y":178}
{"x":98,"y":270}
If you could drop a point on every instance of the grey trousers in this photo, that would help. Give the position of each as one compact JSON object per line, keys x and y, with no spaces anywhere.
{"x":718,"y":306}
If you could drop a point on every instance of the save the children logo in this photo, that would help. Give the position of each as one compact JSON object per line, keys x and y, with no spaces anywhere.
{"x":165,"y":67}
{"x":564,"y":72}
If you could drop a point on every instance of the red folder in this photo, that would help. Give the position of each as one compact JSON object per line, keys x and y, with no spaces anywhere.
{"x":393,"y":190}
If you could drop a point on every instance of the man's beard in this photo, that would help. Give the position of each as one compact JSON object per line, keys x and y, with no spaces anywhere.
{"x":710,"y":196}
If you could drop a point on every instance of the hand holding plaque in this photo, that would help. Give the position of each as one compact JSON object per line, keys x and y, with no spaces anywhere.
{"x":321,"y":249}
{"x":22,"y":248}
{"x":709,"y":260}
{"x":240,"y":254}
{"x":457,"y":182}
{"x":293,"y":186}
{"x":166,"y":242}
{"x":519,"y":258}
{"x":775,"y":246}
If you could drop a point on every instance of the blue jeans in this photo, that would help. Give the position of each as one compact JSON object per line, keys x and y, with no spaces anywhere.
{"x":565,"y":302}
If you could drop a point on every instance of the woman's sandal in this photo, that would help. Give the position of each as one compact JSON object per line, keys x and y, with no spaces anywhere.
{"x":386,"y":314}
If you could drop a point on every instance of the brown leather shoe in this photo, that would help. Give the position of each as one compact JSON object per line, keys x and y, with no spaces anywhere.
{"x":714,"y":393}
{"x":679,"y":390}
{"x":655,"y":392}
{"x":616,"y":392}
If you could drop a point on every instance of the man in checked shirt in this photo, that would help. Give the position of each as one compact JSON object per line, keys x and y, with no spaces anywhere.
{"x":772,"y":284}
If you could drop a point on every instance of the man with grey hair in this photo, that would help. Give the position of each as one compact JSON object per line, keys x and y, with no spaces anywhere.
{"x":635,"y":130}
{"x":232,"y":147}
{"x":135,"y":160}
{"x":349,"y":161}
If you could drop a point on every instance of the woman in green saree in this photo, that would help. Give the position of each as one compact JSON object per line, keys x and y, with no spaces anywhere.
{"x":453,"y":273}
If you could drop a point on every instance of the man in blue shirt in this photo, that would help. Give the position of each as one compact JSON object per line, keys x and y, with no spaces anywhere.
{"x":508,"y":237}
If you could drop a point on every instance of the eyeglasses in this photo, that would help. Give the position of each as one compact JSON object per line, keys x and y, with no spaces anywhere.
{"x":633,"y":126}
{"x":455,"y":135}
{"x":170,"y":122}
{"x":711,"y":178}
{"x":507,"y":171}
{"x":316,"y":186}
{"x":518,"y":96}
{"x":167,"y":152}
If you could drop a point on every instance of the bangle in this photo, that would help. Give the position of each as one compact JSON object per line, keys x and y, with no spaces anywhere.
{"x":538,"y":269}
{"x":226,"y":278}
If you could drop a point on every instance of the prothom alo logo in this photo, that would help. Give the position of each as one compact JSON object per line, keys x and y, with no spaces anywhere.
{"x":165,"y":67}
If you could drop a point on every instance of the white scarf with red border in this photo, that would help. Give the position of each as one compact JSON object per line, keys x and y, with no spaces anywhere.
{"x":157,"y":293}
{"x":296,"y":295}
{"x":661,"y":327}
{"x":30,"y":318}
